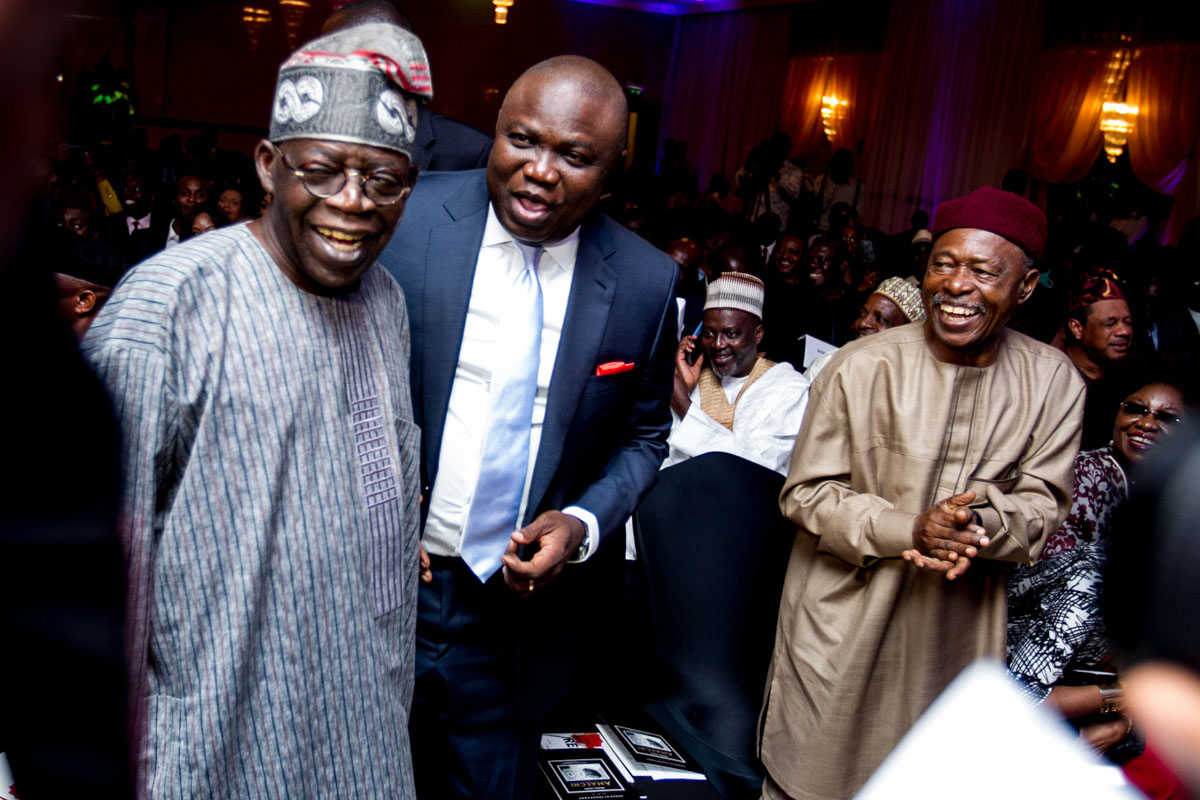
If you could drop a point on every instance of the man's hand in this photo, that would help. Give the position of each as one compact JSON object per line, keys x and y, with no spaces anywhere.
{"x":425,"y":571}
{"x":686,"y":375}
{"x":558,"y":536}
{"x":945,"y":537}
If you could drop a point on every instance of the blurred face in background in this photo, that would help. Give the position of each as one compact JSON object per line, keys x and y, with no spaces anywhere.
{"x":878,"y":314}
{"x":76,"y":220}
{"x":820,"y":265}
{"x":786,"y":257}
{"x":230,"y":203}
{"x":191,"y":192}
{"x":202,"y":223}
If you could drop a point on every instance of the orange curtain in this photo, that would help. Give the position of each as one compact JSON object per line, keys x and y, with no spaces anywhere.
{"x":1163,"y":83}
{"x":850,"y":78}
{"x":1065,"y":138}
{"x":802,"y":104}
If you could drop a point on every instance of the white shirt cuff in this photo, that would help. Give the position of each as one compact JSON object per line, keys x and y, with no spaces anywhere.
{"x":593,"y":532}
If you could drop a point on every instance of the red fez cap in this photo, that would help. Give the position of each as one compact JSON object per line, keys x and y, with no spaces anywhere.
{"x":1003,"y":213}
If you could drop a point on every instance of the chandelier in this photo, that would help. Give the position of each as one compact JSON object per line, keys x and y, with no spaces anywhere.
{"x":502,"y":7}
{"x":1117,"y":117}
{"x":833,"y":111}
{"x":1116,"y":121}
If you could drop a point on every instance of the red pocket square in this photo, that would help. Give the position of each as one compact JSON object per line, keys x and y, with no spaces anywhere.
{"x":613,"y":367}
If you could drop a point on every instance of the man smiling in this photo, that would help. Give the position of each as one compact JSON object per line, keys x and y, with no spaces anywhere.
{"x":542,"y":341}
{"x":729,"y":400}
{"x":270,"y":516}
{"x":929,"y":454}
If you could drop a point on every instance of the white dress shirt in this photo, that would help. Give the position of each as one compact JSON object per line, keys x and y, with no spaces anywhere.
{"x":141,"y":224}
{"x":466,"y":423}
{"x":172,"y":236}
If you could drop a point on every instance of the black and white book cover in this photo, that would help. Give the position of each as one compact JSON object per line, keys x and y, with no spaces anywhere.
{"x":587,"y":774}
{"x":647,"y":743}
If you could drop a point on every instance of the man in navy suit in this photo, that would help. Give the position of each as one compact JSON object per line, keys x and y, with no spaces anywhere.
{"x":501,"y":609}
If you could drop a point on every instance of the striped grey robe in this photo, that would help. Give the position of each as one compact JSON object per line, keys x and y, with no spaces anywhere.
{"x":270,"y":524}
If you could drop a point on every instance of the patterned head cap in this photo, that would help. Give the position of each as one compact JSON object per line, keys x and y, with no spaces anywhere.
{"x":736,"y":290}
{"x":1094,"y":286}
{"x":905,"y":295}
{"x":359,"y":85}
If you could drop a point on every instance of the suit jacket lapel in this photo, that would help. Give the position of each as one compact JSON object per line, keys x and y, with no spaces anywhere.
{"x":423,"y":151}
{"x":449,"y":273}
{"x":592,"y":289}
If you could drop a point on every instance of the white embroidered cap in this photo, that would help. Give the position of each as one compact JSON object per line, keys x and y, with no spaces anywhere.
{"x":736,"y":290}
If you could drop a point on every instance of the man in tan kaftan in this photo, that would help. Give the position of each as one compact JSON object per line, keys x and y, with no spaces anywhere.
{"x":931,"y":454}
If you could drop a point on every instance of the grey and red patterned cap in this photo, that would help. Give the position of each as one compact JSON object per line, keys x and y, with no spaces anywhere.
{"x":359,"y":85}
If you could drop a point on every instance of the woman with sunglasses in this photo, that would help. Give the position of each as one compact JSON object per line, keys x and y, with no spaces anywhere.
{"x":1057,"y":649}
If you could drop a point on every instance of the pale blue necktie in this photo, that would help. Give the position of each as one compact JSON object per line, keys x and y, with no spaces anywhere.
{"x":493,"y":514}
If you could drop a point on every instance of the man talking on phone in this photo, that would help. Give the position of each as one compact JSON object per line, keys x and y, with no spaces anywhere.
{"x":727,"y":399}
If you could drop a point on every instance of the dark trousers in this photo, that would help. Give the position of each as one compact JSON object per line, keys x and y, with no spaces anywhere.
{"x":466,"y":739}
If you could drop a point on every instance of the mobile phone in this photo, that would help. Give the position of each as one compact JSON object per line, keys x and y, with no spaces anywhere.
{"x":691,"y":356}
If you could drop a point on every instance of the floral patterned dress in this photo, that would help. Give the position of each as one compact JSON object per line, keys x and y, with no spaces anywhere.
{"x":1100,"y":488}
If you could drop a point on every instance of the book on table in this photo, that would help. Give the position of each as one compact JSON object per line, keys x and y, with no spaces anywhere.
{"x":646,"y":750}
{"x":582,"y":774}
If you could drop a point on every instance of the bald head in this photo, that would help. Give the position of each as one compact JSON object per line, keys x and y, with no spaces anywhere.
{"x":560,"y":131}
{"x":360,"y":12}
{"x":565,"y":74}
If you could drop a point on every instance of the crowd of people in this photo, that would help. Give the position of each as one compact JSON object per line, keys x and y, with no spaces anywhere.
{"x":383,"y":427}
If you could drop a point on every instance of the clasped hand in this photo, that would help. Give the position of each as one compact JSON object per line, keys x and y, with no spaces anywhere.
{"x":945,"y":537}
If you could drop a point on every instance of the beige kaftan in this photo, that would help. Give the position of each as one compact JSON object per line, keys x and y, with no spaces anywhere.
{"x":865,"y":640}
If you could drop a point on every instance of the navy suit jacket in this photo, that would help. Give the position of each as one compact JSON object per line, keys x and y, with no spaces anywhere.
{"x":603,"y":438}
{"x":445,"y":144}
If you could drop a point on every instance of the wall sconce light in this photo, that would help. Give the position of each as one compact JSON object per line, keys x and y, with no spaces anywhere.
{"x":833,"y":111}
{"x":293,"y":12}
{"x":1116,"y":121}
{"x":255,"y":19}
{"x":502,"y":7}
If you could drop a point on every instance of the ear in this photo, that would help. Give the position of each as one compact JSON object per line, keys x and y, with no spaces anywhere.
{"x":1075,"y":328}
{"x":758,"y":334}
{"x":264,"y":160}
{"x":1028,"y":284}
{"x":85,"y":302}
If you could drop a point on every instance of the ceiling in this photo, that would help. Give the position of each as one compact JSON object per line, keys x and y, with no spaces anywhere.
{"x":678,"y":7}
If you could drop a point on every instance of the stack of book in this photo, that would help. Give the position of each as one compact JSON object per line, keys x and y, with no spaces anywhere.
{"x":604,"y":765}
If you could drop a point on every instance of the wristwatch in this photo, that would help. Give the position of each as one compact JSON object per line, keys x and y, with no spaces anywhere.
{"x":584,"y":546}
{"x":1112,"y":698}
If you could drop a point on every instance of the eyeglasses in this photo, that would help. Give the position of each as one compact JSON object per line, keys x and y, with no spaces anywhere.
{"x":381,"y":186}
{"x":1138,"y":410}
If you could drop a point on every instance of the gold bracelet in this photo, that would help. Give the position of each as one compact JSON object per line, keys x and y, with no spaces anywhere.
{"x":1112,"y":697}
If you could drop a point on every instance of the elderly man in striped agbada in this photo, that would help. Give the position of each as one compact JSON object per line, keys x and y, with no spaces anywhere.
{"x":270,"y":513}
